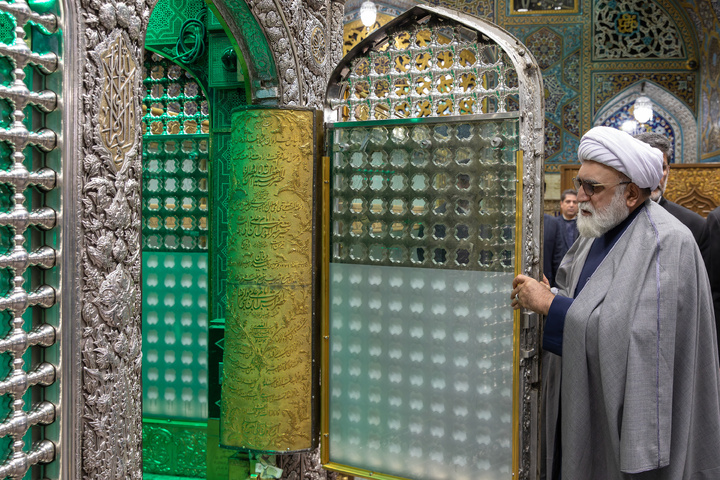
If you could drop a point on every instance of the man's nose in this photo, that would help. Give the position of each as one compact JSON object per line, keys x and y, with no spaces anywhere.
{"x":582,"y":196}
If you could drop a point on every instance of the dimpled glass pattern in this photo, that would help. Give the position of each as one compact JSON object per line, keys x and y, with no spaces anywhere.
{"x":175,"y":335}
{"x":421,"y":371}
{"x":434,"y":195}
{"x":423,"y":220}
{"x":432,"y":70}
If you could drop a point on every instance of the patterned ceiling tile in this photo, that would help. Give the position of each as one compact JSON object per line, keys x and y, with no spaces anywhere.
{"x":570,"y":148}
{"x":553,"y":140}
{"x":714,"y":60}
{"x":556,"y":93}
{"x":571,"y":116}
{"x":479,"y":8}
{"x":571,"y":70}
{"x":625,"y":29}
{"x":546,"y":46}
{"x":607,"y":85}
{"x":570,"y":33}
{"x":711,"y":138}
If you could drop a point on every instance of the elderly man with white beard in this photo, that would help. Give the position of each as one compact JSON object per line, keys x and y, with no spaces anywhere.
{"x":639,"y":394}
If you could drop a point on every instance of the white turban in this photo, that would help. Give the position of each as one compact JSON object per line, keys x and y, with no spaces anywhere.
{"x":642,"y":163}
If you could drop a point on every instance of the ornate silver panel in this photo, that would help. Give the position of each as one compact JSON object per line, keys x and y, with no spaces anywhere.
{"x":102,"y":417}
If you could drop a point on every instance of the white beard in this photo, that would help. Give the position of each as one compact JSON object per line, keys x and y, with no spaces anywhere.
{"x":602,"y":221}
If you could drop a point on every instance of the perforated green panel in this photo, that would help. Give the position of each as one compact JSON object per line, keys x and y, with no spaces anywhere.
{"x":167,"y":19}
{"x":174,"y":103}
{"x":220,"y":76}
{"x":175,"y":263}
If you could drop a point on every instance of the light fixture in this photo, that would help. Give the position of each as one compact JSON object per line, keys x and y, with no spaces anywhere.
{"x":368,"y":13}
{"x":642,"y":109}
{"x":629,"y":126}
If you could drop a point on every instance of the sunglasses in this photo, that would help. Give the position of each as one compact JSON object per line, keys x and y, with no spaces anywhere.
{"x":593,"y":188}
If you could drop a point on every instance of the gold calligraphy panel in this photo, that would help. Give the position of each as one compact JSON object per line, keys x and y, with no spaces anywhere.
{"x":267,"y":365}
{"x":118,"y":101}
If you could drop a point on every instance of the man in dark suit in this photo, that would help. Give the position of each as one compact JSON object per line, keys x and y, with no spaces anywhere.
{"x":711,"y":255}
{"x":690,"y":219}
{"x":549,"y":233}
{"x":567,"y":231}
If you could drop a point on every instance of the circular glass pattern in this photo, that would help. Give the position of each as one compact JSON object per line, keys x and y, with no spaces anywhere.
{"x":417,"y":230}
{"x":463,"y":156}
{"x":356,"y":228}
{"x":357,"y":182}
{"x":442,"y":157}
{"x":358,"y":159}
{"x":399,"y":135}
{"x":463,"y":206}
{"x":462,"y":256}
{"x":397,"y":206}
{"x":377,"y":206}
{"x":462,"y":232}
{"x":377,"y":229}
{"x":440,"y":206}
{"x":377,"y":183}
{"x":379,"y":135}
{"x":398,"y":182}
{"x":397,"y":254}
{"x":357,"y":205}
{"x":397,"y":230}
{"x":419,"y":182}
{"x":399,"y":158}
{"x":418,"y":206}
{"x":358,"y":252}
{"x":462,"y":181}
{"x":441,"y":181}
{"x":419,"y":158}
{"x":378,"y":159}
{"x":376,"y":253}
{"x":173,"y":90}
{"x":421,"y":135}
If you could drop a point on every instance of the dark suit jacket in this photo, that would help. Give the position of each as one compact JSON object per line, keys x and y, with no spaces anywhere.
{"x":550,"y":228}
{"x":562,"y":245}
{"x":711,"y":255}
{"x":690,"y":219}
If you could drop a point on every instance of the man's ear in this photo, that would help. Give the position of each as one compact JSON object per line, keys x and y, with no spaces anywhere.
{"x":633,"y":196}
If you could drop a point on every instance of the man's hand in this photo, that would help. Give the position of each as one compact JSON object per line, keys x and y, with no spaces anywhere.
{"x":531,"y":294}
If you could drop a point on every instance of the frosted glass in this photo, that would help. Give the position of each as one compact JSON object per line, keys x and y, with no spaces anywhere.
{"x":421,"y":371}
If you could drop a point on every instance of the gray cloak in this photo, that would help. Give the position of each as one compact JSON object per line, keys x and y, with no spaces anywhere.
{"x":640,"y":374}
